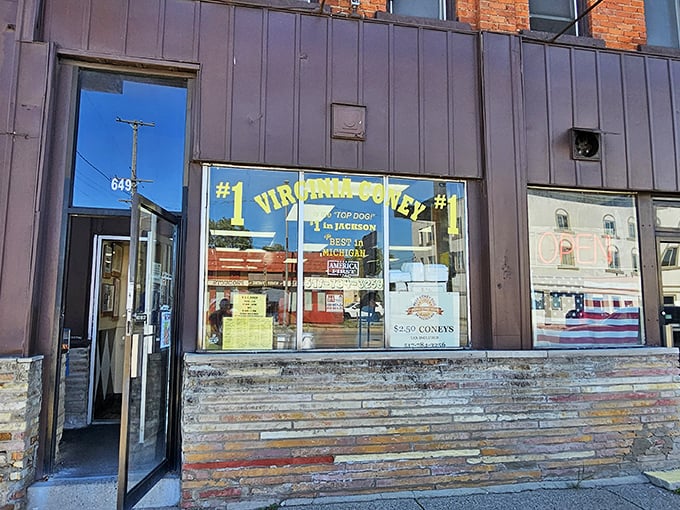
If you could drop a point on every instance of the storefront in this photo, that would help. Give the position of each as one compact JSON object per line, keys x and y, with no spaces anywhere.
{"x":281,"y":253}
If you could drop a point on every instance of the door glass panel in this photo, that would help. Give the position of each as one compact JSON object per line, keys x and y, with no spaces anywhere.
{"x":104,"y":141}
{"x":152,"y":341}
{"x":670,"y":289}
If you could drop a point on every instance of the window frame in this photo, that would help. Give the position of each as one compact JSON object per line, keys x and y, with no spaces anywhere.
{"x":609,"y":225}
{"x":303,"y":299}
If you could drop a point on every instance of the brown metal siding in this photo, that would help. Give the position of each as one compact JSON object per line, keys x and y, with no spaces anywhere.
{"x":268,"y":78}
{"x":505,"y":203}
{"x":20,"y":200}
{"x":613,"y":121}
{"x":631,"y":98}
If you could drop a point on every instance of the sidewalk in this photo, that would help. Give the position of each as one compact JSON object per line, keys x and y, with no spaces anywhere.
{"x":629,"y":493}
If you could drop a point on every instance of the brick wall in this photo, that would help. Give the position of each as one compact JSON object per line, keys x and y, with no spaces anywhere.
{"x":77,"y":384}
{"x":621,"y":23}
{"x":271,"y":428}
{"x":20,"y":395}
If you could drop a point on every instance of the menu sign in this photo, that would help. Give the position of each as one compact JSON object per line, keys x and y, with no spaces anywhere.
{"x":425,"y":319}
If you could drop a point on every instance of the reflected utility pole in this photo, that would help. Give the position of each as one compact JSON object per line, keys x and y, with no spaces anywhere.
{"x":135,"y":124}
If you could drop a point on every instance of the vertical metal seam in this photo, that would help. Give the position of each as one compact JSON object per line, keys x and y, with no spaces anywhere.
{"x":624,"y":103}
{"x":674,"y":118}
{"x":297,"y":69}
{"x":548,"y":109}
{"x":229,"y":81}
{"x":262,"y":117}
{"x":422,"y":161}
{"x":650,"y":123}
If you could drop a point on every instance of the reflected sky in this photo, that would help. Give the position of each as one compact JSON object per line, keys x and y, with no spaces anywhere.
{"x":104,"y":146}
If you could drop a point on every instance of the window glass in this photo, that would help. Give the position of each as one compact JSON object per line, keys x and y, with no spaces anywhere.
{"x":420,"y":8}
{"x":661,"y":17}
{"x":283,"y":241}
{"x":109,"y":104}
{"x":251,"y":260}
{"x":343,"y":246}
{"x":667,"y":216}
{"x":427,"y":274}
{"x":597,"y":301}
{"x":552,"y":15}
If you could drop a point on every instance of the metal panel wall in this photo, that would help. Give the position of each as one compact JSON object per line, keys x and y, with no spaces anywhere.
{"x":630,"y":97}
{"x":268,"y":79}
{"x":21,"y":149}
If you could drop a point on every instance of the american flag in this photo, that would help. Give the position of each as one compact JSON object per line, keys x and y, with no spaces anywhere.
{"x":592,"y":327}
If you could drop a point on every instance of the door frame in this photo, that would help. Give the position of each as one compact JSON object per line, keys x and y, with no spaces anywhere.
{"x":127,"y":499}
{"x":667,"y":237}
{"x":93,"y":321}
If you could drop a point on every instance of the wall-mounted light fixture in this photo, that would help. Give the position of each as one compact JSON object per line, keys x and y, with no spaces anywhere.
{"x":586,"y":144}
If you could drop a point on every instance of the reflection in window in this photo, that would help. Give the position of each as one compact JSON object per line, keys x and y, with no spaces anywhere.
{"x":609,"y":225}
{"x":421,"y":8}
{"x":280,"y":242}
{"x":661,"y":17}
{"x":600,"y":304}
{"x":427,"y":272}
{"x":670,"y":257}
{"x":108,"y":104}
{"x":632,"y":228}
{"x":566,"y":253}
{"x":614,"y":258}
{"x":562,"y":219}
{"x":667,"y":215}
{"x":553,"y":15}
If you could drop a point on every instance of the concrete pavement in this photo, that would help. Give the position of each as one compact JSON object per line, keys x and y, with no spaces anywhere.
{"x":626,"y":493}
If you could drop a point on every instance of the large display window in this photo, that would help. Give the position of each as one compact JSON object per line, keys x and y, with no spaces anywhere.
{"x":585,"y":280}
{"x":309,"y":260}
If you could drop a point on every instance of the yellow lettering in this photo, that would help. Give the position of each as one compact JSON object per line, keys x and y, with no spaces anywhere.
{"x":285,"y":194}
{"x":393,"y":195}
{"x":323,"y":188}
{"x":417,"y":209}
{"x":405,"y":202}
{"x":275,"y":201}
{"x":378,"y":193}
{"x":300,"y":191}
{"x":263,"y":202}
{"x":364,"y":190}
{"x":346,"y":191}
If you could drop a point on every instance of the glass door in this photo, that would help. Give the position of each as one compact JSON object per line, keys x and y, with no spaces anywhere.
{"x":669,"y":283}
{"x":149,"y":351}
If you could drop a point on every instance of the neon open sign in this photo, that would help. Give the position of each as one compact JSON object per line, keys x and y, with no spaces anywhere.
{"x":584,"y":249}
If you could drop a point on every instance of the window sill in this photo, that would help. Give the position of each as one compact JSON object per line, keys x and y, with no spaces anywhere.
{"x":666,"y":51}
{"x":570,"y":267}
{"x":574,"y":40}
{"x":426,"y":22}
